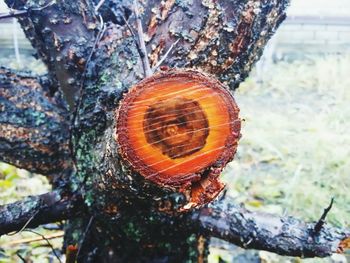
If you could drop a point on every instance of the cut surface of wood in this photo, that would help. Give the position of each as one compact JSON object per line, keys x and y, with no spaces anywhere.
{"x":179,"y":128}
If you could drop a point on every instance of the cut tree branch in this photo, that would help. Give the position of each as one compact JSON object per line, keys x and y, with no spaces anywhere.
{"x":34,"y":129}
{"x":37,"y":210}
{"x":256,"y":230}
{"x":224,"y":38}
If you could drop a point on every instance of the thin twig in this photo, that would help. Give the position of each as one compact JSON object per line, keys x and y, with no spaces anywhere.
{"x":144,"y":57}
{"x":25,"y":225}
{"x":137,"y":43}
{"x":160,"y":62}
{"x":18,"y":13}
{"x":248,"y":243}
{"x":98,"y":6}
{"x":80,"y":99}
{"x":84,"y":236}
{"x":13,"y":13}
{"x":47,"y":241}
{"x":133,"y":36}
{"x":99,"y":37}
{"x":22,"y":258}
{"x":322,"y":220}
{"x":35,"y":239}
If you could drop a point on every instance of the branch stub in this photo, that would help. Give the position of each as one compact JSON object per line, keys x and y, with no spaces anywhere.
{"x":179,"y":129}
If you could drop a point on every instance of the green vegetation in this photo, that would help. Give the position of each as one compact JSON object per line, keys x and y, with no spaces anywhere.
{"x":294,"y":153}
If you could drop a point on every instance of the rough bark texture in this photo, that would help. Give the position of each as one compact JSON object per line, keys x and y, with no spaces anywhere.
{"x":63,"y":35}
{"x":127,"y":218}
{"x":224,"y":38}
{"x":255,"y":230}
{"x":37,"y":210}
{"x":34,"y":127}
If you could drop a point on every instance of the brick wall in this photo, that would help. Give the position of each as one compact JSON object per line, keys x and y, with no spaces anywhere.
{"x":312,"y":34}
{"x":315,"y":29}
{"x":8,"y":29}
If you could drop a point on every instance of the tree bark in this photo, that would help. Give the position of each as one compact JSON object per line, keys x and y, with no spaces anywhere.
{"x":143,"y":228}
{"x":38,"y":210}
{"x":255,"y":230}
{"x":34,"y":127}
{"x":63,"y":35}
{"x":93,"y":63}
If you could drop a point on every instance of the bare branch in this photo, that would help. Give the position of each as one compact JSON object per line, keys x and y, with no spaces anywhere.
{"x":255,"y":230}
{"x":18,"y":13}
{"x":34,"y":130}
{"x":322,"y":220}
{"x":63,"y":35}
{"x":223,"y":38}
{"x":48,"y":243}
{"x":81,"y":242}
{"x":22,"y":258}
{"x":142,"y":44}
{"x":99,"y":4}
{"x":160,"y":62}
{"x":37,"y":210}
{"x":13,"y":13}
{"x":136,"y":40}
{"x":58,"y":234}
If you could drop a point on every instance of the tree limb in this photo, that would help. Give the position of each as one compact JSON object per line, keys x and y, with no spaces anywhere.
{"x":37,"y":210}
{"x":34,"y":129}
{"x":224,"y":38}
{"x":63,"y":35}
{"x":255,"y":230}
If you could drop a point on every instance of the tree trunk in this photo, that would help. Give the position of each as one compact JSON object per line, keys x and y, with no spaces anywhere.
{"x":116,"y":214}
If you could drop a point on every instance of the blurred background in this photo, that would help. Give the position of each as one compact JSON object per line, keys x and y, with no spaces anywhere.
{"x":294,"y":155}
